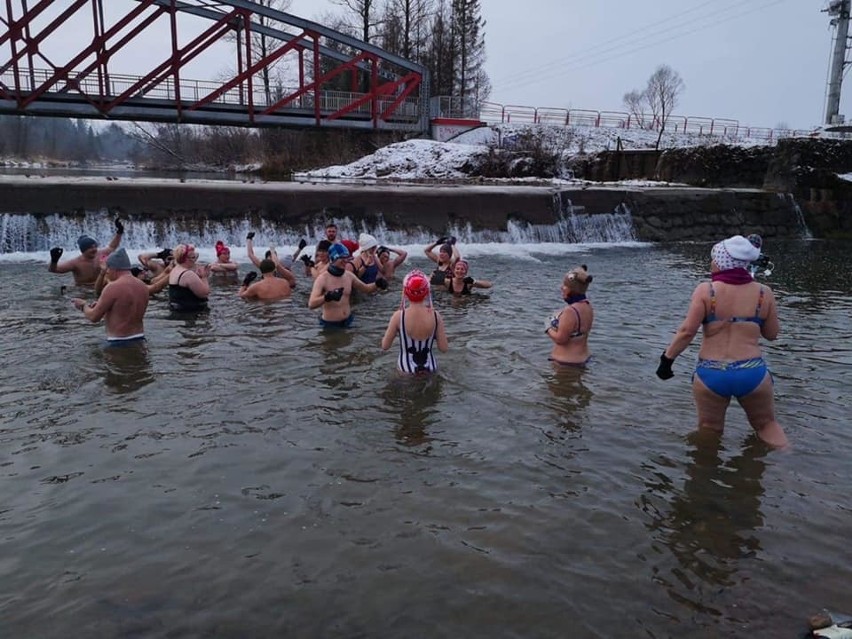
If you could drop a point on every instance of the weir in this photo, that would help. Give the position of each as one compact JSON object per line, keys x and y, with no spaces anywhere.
{"x":28,"y":233}
{"x":36,"y":214}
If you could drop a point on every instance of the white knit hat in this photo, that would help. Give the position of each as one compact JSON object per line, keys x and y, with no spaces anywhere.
{"x":735,"y":252}
{"x":367,"y":241}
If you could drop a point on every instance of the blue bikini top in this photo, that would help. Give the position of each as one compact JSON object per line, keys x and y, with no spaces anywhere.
{"x":711,"y":316}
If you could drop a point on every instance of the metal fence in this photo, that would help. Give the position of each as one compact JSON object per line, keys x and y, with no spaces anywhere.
{"x":494,"y":113}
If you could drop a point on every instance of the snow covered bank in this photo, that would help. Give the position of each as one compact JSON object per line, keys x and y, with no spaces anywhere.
{"x":459,"y":159}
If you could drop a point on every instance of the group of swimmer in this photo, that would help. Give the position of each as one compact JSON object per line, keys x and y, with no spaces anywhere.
{"x":338,"y":268}
{"x":733,"y":310}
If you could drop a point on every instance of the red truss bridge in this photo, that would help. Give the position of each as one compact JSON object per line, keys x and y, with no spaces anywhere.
{"x":133,"y":60}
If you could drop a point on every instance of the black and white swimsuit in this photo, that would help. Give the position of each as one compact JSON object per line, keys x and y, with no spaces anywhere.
{"x":415,"y":355}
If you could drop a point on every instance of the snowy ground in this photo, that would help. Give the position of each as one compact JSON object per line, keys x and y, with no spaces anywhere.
{"x":416,"y":160}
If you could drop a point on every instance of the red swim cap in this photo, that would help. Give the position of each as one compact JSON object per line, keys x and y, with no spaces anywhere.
{"x":221,"y":248}
{"x":416,"y":286}
{"x":352,"y":245}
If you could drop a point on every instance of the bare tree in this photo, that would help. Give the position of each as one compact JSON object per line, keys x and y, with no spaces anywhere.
{"x":634,"y":102}
{"x":365,"y":12}
{"x":653,"y":106}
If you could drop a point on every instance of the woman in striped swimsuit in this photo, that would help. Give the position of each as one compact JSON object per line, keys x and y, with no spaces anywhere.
{"x":419,"y":326}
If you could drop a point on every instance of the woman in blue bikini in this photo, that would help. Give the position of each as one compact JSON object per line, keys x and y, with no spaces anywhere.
{"x":734,"y":312}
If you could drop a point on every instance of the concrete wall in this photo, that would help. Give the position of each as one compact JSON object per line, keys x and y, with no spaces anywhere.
{"x":658,"y":214}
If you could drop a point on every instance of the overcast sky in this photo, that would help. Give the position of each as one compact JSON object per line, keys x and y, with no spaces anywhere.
{"x":762,"y":62}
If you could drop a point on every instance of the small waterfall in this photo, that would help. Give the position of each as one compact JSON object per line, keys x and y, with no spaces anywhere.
{"x":26,"y":233}
{"x":790,"y":200}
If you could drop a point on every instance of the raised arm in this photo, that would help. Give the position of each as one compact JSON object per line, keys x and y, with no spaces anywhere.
{"x":430,"y":250}
{"x":116,"y":239}
{"x":55,"y":266}
{"x":401,"y":256}
{"x":282,"y":270}
{"x":250,"y":249}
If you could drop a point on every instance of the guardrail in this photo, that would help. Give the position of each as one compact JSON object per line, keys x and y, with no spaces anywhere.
{"x":495,"y":113}
{"x":192,"y":91}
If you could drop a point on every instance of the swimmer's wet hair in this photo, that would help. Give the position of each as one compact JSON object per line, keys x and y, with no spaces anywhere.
{"x":266,"y":266}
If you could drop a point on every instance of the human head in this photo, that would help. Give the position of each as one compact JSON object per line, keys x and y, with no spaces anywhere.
{"x":445,"y":253}
{"x":331,"y":232}
{"x":461,"y":268}
{"x":415,"y":286}
{"x":184,"y":253}
{"x":577,"y":280}
{"x":337,"y":252}
{"x":223,"y":253}
{"x":351,"y":245}
{"x":266,"y":266}
{"x":119,"y":261}
{"x":88,"y":245}
{"x":367,"y":242}
{"x":734,"y":252}
{"x":321,"y":251}
{"x":383,"y":253}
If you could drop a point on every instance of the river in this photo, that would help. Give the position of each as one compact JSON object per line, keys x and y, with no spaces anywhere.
{"x":249,"y":475}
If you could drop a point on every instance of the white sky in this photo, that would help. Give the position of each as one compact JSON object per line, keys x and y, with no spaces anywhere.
{"x":762,"y":62}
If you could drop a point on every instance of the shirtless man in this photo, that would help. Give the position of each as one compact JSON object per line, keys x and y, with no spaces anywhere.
{"x":86,"y":265}
{"x":333,"y":289}
{"x":282,"y":269}
{"x":269,"y":288}
{"x":122,"y":303}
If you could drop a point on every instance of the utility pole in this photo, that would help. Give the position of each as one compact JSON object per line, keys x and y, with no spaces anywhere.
{"x":839,"y":12}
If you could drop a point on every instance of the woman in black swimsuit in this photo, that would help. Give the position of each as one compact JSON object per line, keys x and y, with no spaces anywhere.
{"x":446,"y":259}
{"x":188,"y":285}
{"x":461,"y":283}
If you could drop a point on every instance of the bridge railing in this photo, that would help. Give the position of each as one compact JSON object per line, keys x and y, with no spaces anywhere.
{"x":495,"y":113}
{"x":192,"y":91}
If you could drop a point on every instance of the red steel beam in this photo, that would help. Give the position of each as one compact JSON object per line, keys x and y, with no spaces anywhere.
{"x":186,"y":54}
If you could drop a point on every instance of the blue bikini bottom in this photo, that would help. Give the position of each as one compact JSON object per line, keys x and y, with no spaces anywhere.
{"x":732,"y":379}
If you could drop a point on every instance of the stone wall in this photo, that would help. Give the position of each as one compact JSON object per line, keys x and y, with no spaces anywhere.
{"x":806,"y":168}
{"x":674,"y":214}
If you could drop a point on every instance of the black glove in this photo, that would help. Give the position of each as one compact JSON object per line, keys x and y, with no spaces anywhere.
{"x":250,"y":277}
{"x":302,"y":243}
{"x":333,"y":296}
{"x":307,"y":260}
{"x":469,"y":280}
{"x":119,"y":227}
{"x":381,"y":283}
{"x":250,"y":235}
{"x":55,"y":254}
{"x":165,"y":254}
{"x":441,"y":240}
{"x":452,"y":241}
{"x":664,"y":370}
